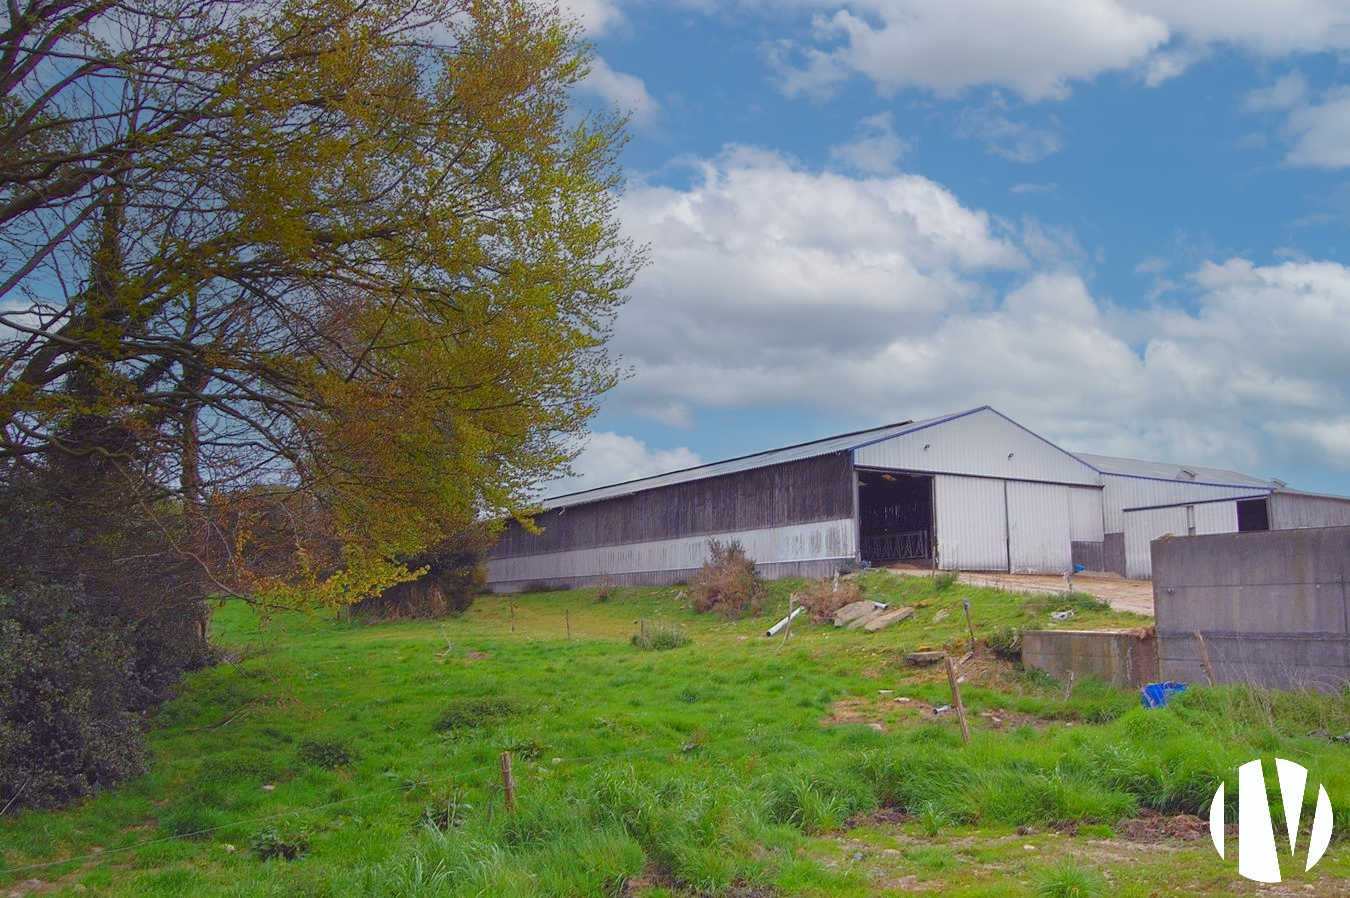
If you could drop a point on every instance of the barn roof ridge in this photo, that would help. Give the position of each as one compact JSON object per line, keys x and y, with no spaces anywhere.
{"x":843,"y":442}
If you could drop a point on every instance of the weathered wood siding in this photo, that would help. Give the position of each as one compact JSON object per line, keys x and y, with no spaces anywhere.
{"x":799,"y":492}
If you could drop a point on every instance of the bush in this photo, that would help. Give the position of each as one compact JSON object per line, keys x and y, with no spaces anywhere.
{"x":100,"y":615}
{"x":605,"y":589}
{"x":67,"y":687}
{"x":727,"y":583}
{"x":455,"y":574}
{"x":822,"y":598}
{"x":658,"y":636}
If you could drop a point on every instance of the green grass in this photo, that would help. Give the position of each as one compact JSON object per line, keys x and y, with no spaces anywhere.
{"x":369,"y":755}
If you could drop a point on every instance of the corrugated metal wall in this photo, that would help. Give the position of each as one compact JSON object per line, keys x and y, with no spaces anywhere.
{"x":1291,"y":511}
{"x":1039,"y":533}
{"x":1142,"y":527}
{"x":971,"y":523}
{"x":1120,"y":493}
{"x":819,"y":541}
{"x":983,"y":443}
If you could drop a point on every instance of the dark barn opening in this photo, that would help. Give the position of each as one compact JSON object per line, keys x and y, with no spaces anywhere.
{"x":1253,"y":515}
{"x":895,"y":516}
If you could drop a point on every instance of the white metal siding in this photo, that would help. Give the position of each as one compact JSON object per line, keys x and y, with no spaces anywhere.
{"x":977,"y":444}
{"x":971,"y":522}
{"x":1120,"y":493}
{"x":1291,"y":511}
{"x":1143,"y":527}
{"x":1038,"y":528}
{"x":1085,"y":514}
{"x":798,"y":542}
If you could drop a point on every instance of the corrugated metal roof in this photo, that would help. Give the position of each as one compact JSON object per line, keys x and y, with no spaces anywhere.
{"x":829,"y":445}
{"x":1156,"y":470}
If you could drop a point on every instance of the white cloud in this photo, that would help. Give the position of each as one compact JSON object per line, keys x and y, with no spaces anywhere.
{"x":1321,"y":133}
{"x":1017,"y":141}
{"x":610,"y":458}
{"x":596,"y":16}
{"x":1035,"y":47}
{"x":1038,"y":48}
{"x":875,"y":149}
{"x":775,"y":286}
{"x":1286,"y":92}
{"x":627,"y":91}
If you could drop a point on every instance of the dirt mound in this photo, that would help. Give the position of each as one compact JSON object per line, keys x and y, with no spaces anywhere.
{"x":1151,"y":826}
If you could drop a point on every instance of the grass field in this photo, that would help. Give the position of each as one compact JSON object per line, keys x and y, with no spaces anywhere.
{"x":327,"y":758}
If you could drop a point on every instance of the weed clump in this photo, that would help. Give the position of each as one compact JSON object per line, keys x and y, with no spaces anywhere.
{"x":1006,"y":643}
{"x":1081,"y":601}
{"x":659,"y":636}
{"x":476,"y":712}
{"x":822,"y":598}
{"x":1068,"y":880}
{"x":727,"y":583}
{"x":605,"y":589}
{"x":326,"y":753}
{"x":272,"y":843}
{"x":943,"y":580}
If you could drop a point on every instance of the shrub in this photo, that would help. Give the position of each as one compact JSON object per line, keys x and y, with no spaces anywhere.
{"x":727,"y":583}
{"x":475,"y":712}
{"x":658,"y":636}
{"x":325,"y":753}
{"x":67,"y":688}
{"x":822,"y":598}
{"x":605,"y":589}
{"x":455,"y":573}
{"x":100,"y":615}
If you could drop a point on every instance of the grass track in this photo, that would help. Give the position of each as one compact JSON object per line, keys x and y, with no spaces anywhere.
{"x":700,"y":769}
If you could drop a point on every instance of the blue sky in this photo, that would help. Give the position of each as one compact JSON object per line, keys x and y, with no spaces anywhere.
{"x":1119,"y":223}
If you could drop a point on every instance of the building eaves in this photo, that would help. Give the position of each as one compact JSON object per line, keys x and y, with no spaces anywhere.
{"x":842,"y":443}
{"x":1155,"y":470}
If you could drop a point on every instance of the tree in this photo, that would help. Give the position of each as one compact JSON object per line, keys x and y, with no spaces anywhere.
{"x":313,"y":286}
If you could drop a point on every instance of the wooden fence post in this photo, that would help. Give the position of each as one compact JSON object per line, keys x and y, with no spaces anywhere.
{"x":508,"y":783}
{"x":956,"y":700}
{"x":569,"y":624}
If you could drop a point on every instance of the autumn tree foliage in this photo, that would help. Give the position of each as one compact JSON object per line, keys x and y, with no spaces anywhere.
{"x":292,"y":292}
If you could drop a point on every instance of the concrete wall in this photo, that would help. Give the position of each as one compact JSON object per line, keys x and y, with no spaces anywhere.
{"x":1272,"y":605}
{"x":1127,"y":658}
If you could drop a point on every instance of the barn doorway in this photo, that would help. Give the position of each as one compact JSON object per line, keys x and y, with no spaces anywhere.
{"x":895,"y":516}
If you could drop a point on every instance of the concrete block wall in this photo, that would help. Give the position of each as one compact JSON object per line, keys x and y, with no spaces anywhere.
{"x":1127,"y":658}
{"x":1272,"y":605}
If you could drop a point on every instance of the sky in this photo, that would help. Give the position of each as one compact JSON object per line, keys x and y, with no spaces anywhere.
{"x":1119,"y":223}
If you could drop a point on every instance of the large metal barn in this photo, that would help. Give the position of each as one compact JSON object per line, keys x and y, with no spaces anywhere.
{"x":971,"y":491}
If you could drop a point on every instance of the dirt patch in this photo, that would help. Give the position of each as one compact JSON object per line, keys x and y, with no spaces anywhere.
{"x":879,"y":817}
{"x":655,"y":877}
{"x":1121,"y":594}
{"x":1151,"y":826}
{"x":882,"y":712}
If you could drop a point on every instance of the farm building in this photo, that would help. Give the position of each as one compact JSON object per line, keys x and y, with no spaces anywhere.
{"x":971,"y":491}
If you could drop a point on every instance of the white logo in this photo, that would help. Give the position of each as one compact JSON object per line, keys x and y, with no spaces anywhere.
{"x":1257,"y":856}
